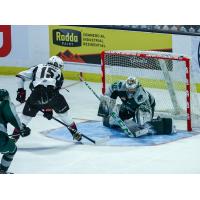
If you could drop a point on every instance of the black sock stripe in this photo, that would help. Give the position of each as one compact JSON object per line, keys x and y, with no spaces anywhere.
{"x":8,"y":159}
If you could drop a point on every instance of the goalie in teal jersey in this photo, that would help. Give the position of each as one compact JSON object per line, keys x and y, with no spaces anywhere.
{"x":136,"y":109}
{"x":7,"y":145}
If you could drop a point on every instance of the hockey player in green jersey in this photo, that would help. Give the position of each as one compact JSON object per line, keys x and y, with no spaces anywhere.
{"x":7,"y":145}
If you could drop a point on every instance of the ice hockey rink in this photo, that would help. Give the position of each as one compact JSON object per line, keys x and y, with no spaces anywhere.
{"x":39,"y":154}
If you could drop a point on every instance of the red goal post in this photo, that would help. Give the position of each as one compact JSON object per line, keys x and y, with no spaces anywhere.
{"x":114,"y":60}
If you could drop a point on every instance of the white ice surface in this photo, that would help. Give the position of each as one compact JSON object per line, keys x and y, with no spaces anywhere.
{"x":39,"y":154}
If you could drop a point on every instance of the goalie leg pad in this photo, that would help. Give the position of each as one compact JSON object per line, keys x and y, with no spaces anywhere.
{"x":106,"y":122}
{"x":142,"y":117}
{"x":136,"y":129}
{"x":103,"y":108}
{"x":106,"y":106}
{"x":109,"y":121}
{"x":113,"y":121}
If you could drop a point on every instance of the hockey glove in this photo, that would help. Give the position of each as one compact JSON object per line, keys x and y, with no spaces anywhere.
{"x":16,"y":134}
{"x":21,"y":95}
{"x":48,"y":113}
{"x":25,"y":131}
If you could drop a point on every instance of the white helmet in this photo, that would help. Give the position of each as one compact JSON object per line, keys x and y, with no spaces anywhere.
{"x":56,"y":61}
{"x":131,"y":83}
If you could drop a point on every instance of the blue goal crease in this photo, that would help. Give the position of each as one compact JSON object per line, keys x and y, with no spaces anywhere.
{"x":97,"y":131}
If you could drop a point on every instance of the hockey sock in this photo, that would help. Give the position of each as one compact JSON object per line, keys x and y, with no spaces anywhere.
{"x":76,"y":135}
{"x":66,"y":118}
{"x":73,"y":126}
{"x":6,"y":160}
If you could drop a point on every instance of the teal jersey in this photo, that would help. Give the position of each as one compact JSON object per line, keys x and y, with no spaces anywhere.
{"x":132,"y":100}
{"x":8,"y":114}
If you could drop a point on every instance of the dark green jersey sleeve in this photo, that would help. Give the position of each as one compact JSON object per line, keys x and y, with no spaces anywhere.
{"x":114,"y":89}
{"x":9,"y":115}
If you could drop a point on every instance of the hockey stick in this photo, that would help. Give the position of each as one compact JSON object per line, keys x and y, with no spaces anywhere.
{"x":14,"y":135}
{"x":73,"y":130}
{"x":113,"y":114}
{"x":90,"y":88}
{"x":70,"y":85}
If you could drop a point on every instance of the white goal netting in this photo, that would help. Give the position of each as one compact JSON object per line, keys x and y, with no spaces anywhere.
{"x":167,"y":76}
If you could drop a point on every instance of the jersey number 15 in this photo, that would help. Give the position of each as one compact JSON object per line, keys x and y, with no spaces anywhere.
{"x":48,"y":72}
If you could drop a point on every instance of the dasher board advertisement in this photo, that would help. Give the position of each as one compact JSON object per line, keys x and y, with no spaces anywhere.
{"x":23,"y":45}
{"x":84,"y":45}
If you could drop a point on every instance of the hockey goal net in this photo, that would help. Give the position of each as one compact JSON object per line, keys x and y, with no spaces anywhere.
{"x":166,"y":75}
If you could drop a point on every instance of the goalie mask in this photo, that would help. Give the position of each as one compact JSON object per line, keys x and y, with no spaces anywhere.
{"x":131,"y":84}
{"x":56,"y":61}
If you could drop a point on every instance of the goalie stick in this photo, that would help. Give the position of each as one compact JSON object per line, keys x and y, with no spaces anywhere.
{"x":120,"y":122}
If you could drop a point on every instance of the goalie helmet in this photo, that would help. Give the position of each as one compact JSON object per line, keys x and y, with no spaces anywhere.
{"x":131,"y":84}
{"x":56,"y":61}
{"x":4,"y":95}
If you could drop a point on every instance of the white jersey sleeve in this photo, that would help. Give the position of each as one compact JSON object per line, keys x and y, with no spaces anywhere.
{"x":41,"y":74}
{"x":23,"y":76}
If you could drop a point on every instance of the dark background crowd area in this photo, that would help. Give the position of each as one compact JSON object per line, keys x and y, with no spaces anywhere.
{"x":171,"y":29}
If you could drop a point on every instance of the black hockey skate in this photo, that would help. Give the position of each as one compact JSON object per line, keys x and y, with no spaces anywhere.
{"x":4,"y":172}
{"x":77,"y":136}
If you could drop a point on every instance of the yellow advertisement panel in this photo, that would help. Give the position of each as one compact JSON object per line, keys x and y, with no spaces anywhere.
{"x":84,"y":45}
